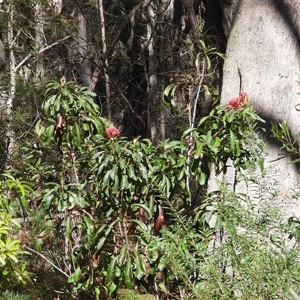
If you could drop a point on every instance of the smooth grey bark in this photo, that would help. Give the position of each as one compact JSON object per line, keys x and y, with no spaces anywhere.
{"x":82,"y":46}
{"x":105,"y":63}
{"x":10,"y":134}
{"x":263,"y":59}
{"x":152,"y":112}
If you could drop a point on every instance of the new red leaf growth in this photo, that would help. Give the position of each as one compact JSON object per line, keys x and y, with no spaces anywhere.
{"x":160,"y":219}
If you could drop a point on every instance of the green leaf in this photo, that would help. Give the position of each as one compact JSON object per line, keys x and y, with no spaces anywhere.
{"x":219,"y":223}
{"x":101,"y":243}
{"x":173,"y":145}
{"x":116,"y":186}
{"x":47,"y":199}
{"x":78,"y":135}
{"x":110,"y":269}
{"x":230,"y":116}
{"x":113,"y":172}
{"x":131,"y":173}
{"x":124,"y":182}
{"x":208,"y":62}
{"x":122,"y":163}
{"x":141,"y":225}
{"x":208,"y":139}
{"x":122,"y":254}
{"x":90,"y":229}
{"x":216,"y":144}
{"x":199,"y":149}
{"x":49,"y":134}
{"x":145,"y":207}
{"x":232,"y":141}
{"x":202,"y":43}
{"x":202,"y":179}
{"x":112,"y":287}
{"x":208,"y":215}
{"x":75,"y":277}
{"x":57,"y":104}
{"x":128,"y":274}
{"x":68,"y":230}
{"x":144,"y":171}
{"x":140,"y":270}
{"x":169,"y":93}
{"x":105,"y":179}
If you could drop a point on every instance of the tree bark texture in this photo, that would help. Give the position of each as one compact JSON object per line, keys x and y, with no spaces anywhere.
{"x":39,"y":39}
{"x":263,"y":59}
{"x":10,"y":134}
{"x":82,"y":45}
{"x":105,"y":63}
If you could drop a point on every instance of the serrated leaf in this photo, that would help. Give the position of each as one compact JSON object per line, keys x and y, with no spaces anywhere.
{"x":140,"y":269}
{"x":122,"y":255}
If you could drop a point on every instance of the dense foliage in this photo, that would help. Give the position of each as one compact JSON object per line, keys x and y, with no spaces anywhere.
{"x":110,"y":213}
{"x":104,"y":185}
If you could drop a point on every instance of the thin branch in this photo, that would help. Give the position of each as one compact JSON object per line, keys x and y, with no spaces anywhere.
{"x":41,"y":51}
{"x":14,"y":40}
{"x":129,"y":20}
{"x":192,"y":117}
{"x":198,"y":92}
{"x":128,"y":103}
{"x":45,"y":258}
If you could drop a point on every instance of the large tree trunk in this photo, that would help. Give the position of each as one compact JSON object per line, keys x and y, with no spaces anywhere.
{"x":263,"y":59}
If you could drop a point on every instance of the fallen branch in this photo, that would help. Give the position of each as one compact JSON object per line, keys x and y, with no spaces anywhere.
{"x":46,"y":259}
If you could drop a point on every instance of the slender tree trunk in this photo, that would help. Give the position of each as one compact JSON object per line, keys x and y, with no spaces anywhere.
{"x":105,"y":63}
{"x":192,"y":20}
{"x":12,"y":89}
{"x":129,"y":19}
{"x":39,"y":39}
{"x":82,"y":44}
{"x":161,"y":84}
{"x":152,"y":78}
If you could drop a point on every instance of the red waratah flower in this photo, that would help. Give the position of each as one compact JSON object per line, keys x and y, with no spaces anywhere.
{"x":236,"y":103}
{"x":112,"y":132}
{"x":233,"y":104}
{"x":243,"y":98}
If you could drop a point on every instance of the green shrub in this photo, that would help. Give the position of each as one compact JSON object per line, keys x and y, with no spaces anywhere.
{"x":124,"y":294}
{"x":12,"y":267}
{"x":9,"y":295}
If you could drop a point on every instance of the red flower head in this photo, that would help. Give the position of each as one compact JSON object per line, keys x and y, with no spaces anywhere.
{"x":112,"y":132}
{"x":233,"y":104}
{"x":243,"y":98}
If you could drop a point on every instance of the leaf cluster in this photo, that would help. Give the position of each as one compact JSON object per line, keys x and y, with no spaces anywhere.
{"x":107,"y":198}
